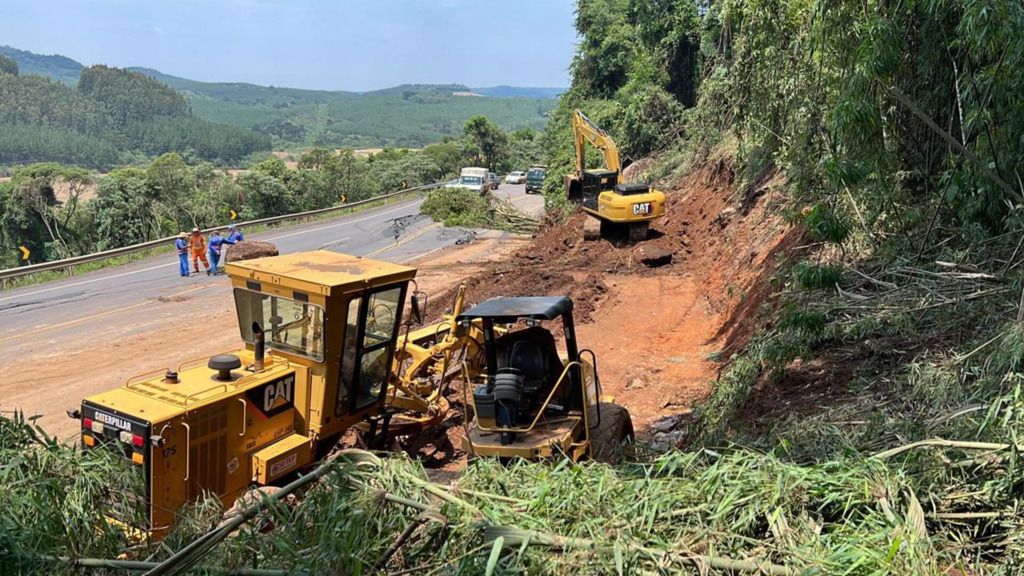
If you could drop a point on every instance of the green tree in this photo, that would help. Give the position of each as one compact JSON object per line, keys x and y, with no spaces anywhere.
{"x":488,"y":139}
{"x":450,"y":156}
{"x":8,"y":66}
{"x":524,"y":150}
{"x":347,"y":174}
{"x":307,"y":190}
{"x":273,"y":167}
{"x":413,"y":169}
{"x":122,"y":211}
{"x":265,"y":196}
{"x":315,"y":159}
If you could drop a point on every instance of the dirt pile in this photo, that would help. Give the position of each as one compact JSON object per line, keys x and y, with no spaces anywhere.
{"x":250,"y":249}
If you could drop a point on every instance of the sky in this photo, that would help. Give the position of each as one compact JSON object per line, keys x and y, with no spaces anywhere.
{"x":318,"y":44}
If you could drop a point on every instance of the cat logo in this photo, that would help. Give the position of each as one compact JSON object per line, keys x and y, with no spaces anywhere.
{"x":274,"y":397}
{"x":642,"y":209}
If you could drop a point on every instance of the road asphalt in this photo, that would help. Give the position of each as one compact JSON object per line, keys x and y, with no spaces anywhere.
{"x":71,"y":307}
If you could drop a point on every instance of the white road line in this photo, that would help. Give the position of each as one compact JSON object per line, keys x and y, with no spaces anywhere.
{"x":335,"y":242}
{"x":339,"y":224}
{"x":44,"y":290}
{"x":87,"y":281}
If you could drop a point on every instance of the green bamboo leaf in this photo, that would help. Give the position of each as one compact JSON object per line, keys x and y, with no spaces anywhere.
{"x":492,"y":560}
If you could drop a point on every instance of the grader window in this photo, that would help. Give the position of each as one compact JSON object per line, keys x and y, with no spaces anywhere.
{"x":371,"y":329}
{"x":293,"y":327}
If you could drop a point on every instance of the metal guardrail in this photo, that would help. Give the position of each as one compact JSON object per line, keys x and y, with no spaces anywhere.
{"x":69,"y":262}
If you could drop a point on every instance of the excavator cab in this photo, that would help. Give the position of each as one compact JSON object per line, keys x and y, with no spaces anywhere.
{"x":532,"y":400}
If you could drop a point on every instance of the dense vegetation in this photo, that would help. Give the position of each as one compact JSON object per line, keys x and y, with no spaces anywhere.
{"x":113,"y":117}
{"x":58,"y":211}
{"x":285,"y":118}
{"x":896,"y":129}
{"x":410,"y":115}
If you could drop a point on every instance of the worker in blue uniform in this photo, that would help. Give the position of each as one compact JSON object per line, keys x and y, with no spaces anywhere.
{"x":217,"y":243}
{"x":236,"y":234}
{"x":182,"y":245}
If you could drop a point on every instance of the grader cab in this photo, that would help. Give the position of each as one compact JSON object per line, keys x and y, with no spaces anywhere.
{"x":320,"y":332}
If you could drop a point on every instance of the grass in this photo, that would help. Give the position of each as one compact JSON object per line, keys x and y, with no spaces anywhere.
{"x":733,"y":509}
{"x":79,"y":269}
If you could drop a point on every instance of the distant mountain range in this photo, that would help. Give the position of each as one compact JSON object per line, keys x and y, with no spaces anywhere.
{"x":410,"y":115}
{"x":66,"y":70}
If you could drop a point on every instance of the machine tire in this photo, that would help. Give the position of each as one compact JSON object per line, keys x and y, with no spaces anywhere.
{"x":615,"y":428}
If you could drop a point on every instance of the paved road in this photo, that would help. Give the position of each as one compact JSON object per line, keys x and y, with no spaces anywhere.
{"x":72,"y":308}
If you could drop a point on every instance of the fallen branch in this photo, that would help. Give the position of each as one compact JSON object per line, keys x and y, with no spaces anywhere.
{"x":514,"y":537}
{"x":982,"y":167}
{"x":944,"y":444}
{"x":972,"y":515}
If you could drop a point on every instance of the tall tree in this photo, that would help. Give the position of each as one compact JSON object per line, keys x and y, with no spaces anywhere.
{"x":8,"y":66}
{"x":489,"y":140}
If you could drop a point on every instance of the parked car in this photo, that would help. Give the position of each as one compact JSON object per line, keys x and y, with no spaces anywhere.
{"x":493,"y":181}
{"x":515,"y":178}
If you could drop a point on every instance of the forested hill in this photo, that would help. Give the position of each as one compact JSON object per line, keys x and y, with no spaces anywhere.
{"x":112,"y":117}
{"x":409,"y":115}
{"x":245,"y":93}
{"x":53,"y":66}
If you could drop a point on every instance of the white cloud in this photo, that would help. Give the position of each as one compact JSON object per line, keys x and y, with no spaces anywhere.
{"x":159,"y":30}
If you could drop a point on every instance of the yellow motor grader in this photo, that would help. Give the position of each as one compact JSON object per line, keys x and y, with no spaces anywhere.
{"x":325,"y":351}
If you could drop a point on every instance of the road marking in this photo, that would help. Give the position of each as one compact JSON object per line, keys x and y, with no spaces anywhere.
{"x":86,"y":282}
{"x":44,"y":290}
{"x":338,"y":224}
{"x":418,"y":256}
{"x":402,"y":241}
{"x":334,"y":243}
{"x":93,"y":317}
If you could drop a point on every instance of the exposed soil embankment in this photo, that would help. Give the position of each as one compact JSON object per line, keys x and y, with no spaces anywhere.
{"x":654,"y":327}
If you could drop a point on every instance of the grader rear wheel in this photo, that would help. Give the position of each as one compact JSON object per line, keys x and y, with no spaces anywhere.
{"x":615,"y":428}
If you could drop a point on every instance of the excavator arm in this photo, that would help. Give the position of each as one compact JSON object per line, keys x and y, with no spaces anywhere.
{"x":583,"y":130}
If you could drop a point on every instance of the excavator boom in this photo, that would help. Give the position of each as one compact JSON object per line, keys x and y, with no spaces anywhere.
{"x":585,"y":129}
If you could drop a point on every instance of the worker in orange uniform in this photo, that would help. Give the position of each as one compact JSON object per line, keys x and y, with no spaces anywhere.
{"x":197,"y":243}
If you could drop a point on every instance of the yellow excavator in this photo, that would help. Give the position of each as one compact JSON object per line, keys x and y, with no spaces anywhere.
{"x":326,"y":350}
{"x":601,"y":193}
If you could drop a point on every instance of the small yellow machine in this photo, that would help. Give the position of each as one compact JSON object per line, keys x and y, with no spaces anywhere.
{"x":615,"y":204}
{"x":531,"y":401}
{"x":323,"y":352}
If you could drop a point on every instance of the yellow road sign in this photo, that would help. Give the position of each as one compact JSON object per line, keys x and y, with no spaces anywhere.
{"x":342,"y":198}
{"x":404,"y":184}
{"x":25,"y":252}
{"x":234,"y":215}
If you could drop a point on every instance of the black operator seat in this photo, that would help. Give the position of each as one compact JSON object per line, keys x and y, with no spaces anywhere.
{"x":529,"y":358}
